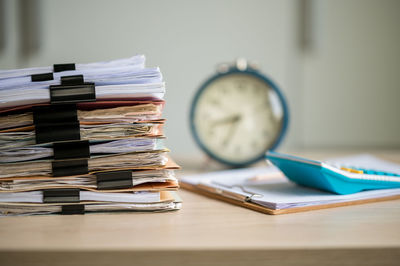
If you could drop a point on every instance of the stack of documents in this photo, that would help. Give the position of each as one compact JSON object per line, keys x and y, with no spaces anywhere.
{"x":78,"y":138}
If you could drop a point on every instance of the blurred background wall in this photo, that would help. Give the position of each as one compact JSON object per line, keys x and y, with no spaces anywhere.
{"x":338,"y":62}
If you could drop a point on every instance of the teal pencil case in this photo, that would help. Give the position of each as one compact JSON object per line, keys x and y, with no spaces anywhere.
{"x":339,"y":180}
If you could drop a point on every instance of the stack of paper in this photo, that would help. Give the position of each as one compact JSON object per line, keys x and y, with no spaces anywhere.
{"x":78,"y":138}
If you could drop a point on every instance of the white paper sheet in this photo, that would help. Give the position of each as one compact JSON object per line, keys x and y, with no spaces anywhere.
{"x":138,"y":60}
{"x":100,"y":76}
{"x":37,"y":197}
{"x":111,"y":147}
{"x":125,"y":91}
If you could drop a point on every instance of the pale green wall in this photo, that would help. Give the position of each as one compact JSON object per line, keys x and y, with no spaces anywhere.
{"x":343,"y":91}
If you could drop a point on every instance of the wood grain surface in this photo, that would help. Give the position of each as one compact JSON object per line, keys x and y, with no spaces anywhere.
{"x":208,"y":232}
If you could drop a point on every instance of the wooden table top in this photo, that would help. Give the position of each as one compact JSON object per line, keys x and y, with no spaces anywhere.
{"x":207,"y":231}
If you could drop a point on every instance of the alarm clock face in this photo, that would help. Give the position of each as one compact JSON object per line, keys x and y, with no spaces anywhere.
{"x":237,"y":117}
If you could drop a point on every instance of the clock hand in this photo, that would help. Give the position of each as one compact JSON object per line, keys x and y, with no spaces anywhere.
{"x":226,"y":120}
{"x":232,"y":129}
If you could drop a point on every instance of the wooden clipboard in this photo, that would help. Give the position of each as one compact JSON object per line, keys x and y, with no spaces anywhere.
{"x":212,"y":193}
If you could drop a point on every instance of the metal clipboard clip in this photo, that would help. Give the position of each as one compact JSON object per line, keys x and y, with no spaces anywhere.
{"x":243,"y":189}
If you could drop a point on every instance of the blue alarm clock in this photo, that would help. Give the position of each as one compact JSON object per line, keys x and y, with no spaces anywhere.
{"x":238,"y":115}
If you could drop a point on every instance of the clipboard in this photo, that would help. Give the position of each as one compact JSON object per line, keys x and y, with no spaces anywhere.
{"x":268,"y":191}
{"x":265,"y":210}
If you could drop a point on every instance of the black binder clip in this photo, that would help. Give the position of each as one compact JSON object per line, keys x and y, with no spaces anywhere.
{"x":55,"y":114}
{"x":42,"y":77}
{"x":72,"y":80}
{"x":69,"y":167}
{"x":70,"y":158}
{"x":61,"y":195}
{"x":73,"y":209}
{"x":114,"y":179}
{"x":71,"y":149}
{"x":56,"y":123}
{"x":63,"y":67}
{"x":45,"y":133}
{"x":72,"y":90}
